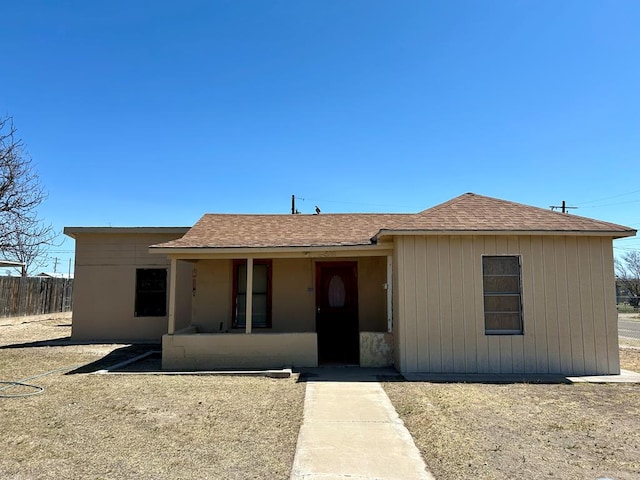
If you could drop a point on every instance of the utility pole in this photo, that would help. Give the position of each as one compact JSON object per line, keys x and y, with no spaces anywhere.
{"x":562,"y":207}
{"x":55,"y":264}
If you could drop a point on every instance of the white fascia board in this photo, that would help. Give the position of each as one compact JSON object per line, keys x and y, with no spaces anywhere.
{"x":567,"y":233}
{"x":274,"y":252}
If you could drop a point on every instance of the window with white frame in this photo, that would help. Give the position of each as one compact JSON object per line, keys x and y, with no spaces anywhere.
{"x":502,"y":288}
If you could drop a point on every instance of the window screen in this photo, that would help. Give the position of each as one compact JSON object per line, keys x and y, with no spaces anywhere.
{"x":502,"y":294}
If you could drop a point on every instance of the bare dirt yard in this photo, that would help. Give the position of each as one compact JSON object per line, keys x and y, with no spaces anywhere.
{"x":533,"y":431}
{"x":86,"y":426}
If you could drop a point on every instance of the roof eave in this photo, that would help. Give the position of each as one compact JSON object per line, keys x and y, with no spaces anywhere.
{"x":73,"y":231}
{"x":583,"y":233}
{"x":271,"y":251}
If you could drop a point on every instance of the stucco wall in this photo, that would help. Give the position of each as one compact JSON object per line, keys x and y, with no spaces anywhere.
{"x":293,"y":296}
{"x":238,"y":350}
{"x":184,"y":294}
{"x":569,"y":313}
{"x":104,"y":287}
{"x":211,"y":303}
{"x":372,"y":308}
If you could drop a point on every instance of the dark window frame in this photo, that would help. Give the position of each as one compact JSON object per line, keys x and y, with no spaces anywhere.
{"x":234,"y":298}
{"x":504,"y":296}
{"x":150,"y":299}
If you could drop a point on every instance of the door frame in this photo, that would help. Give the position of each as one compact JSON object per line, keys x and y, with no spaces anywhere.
{"x":346,"y":264}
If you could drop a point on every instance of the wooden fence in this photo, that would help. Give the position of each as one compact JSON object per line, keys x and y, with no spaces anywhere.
{"x":34,"y":295}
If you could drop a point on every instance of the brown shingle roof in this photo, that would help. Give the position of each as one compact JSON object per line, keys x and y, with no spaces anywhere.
{"x":468,"y":212}
{"x":472,"y":212}
{"x":226,"y":231}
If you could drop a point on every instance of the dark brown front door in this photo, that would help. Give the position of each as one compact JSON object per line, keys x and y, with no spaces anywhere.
{"x":337,"y":312}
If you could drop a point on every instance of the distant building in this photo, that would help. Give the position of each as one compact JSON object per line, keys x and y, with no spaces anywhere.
{"x":9,"y":264}
{"x":54,"y":275}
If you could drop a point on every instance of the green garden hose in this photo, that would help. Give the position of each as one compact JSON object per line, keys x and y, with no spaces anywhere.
{"x":21,"y":383}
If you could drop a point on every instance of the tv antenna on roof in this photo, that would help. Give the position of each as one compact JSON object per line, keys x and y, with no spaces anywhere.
{"x":294,"y":210}
{"x":563,"y":208}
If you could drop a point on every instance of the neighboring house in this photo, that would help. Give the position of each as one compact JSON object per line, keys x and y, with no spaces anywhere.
{"x":474,"y":285}
{"x":16,"y":265}
{"x":54,"y":275}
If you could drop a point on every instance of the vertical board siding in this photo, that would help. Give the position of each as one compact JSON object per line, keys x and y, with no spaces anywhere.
{"x":446,"y":301}
{"x":611,"y":312}
{"x":528,"y":314}
{"x":412,"y":310}
{"x":539,"y":307}
{"x":517,"y":341}
{"x":575,"y":322}
{"x":434,"y":341}
{"x":599,"y":308}
{"x":469,"y":265}
{"x":422,"y":300}
{"x":550,"y":278}
{"x":568,"y":305}
{"x":457,"y":310}
{"x":562,"y":304}
{"x":586,"y":305}
{"x":493,"y":341}
{"x":399,"y":301}
{"x":482,"y":340}
{"x":506,"y":352}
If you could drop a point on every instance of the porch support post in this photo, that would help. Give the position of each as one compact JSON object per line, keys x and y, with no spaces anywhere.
{"x":389,"y":293}
{"x":173,"y":277}
{"x":249,"y":309}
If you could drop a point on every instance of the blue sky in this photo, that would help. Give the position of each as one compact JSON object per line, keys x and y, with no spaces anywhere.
{"x":154,"y":112}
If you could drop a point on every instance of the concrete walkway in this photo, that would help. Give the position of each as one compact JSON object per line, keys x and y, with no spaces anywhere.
{"x":351,"y":431}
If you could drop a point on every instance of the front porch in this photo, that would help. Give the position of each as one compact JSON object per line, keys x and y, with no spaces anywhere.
{"x":189,"y":350}
{"x":208,"y":327}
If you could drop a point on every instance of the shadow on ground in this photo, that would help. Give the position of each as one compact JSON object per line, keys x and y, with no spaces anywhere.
{"x":118,"y":356}
{"x":357,"y":374}
{"x":329,"y":373}
{"x":348,"y":374}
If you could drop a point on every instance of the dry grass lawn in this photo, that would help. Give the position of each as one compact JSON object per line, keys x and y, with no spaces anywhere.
{"x":630,"y":358}
{"x":486,"y":431}
{"x":144,"y":427}
{"x":168,"y":427}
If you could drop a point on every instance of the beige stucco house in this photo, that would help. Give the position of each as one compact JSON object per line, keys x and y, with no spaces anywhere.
{"x":476,"y":285}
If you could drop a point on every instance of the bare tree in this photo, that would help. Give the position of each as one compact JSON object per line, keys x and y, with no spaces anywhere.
{"x":628,"y":275}
{"x":23,"y":235}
